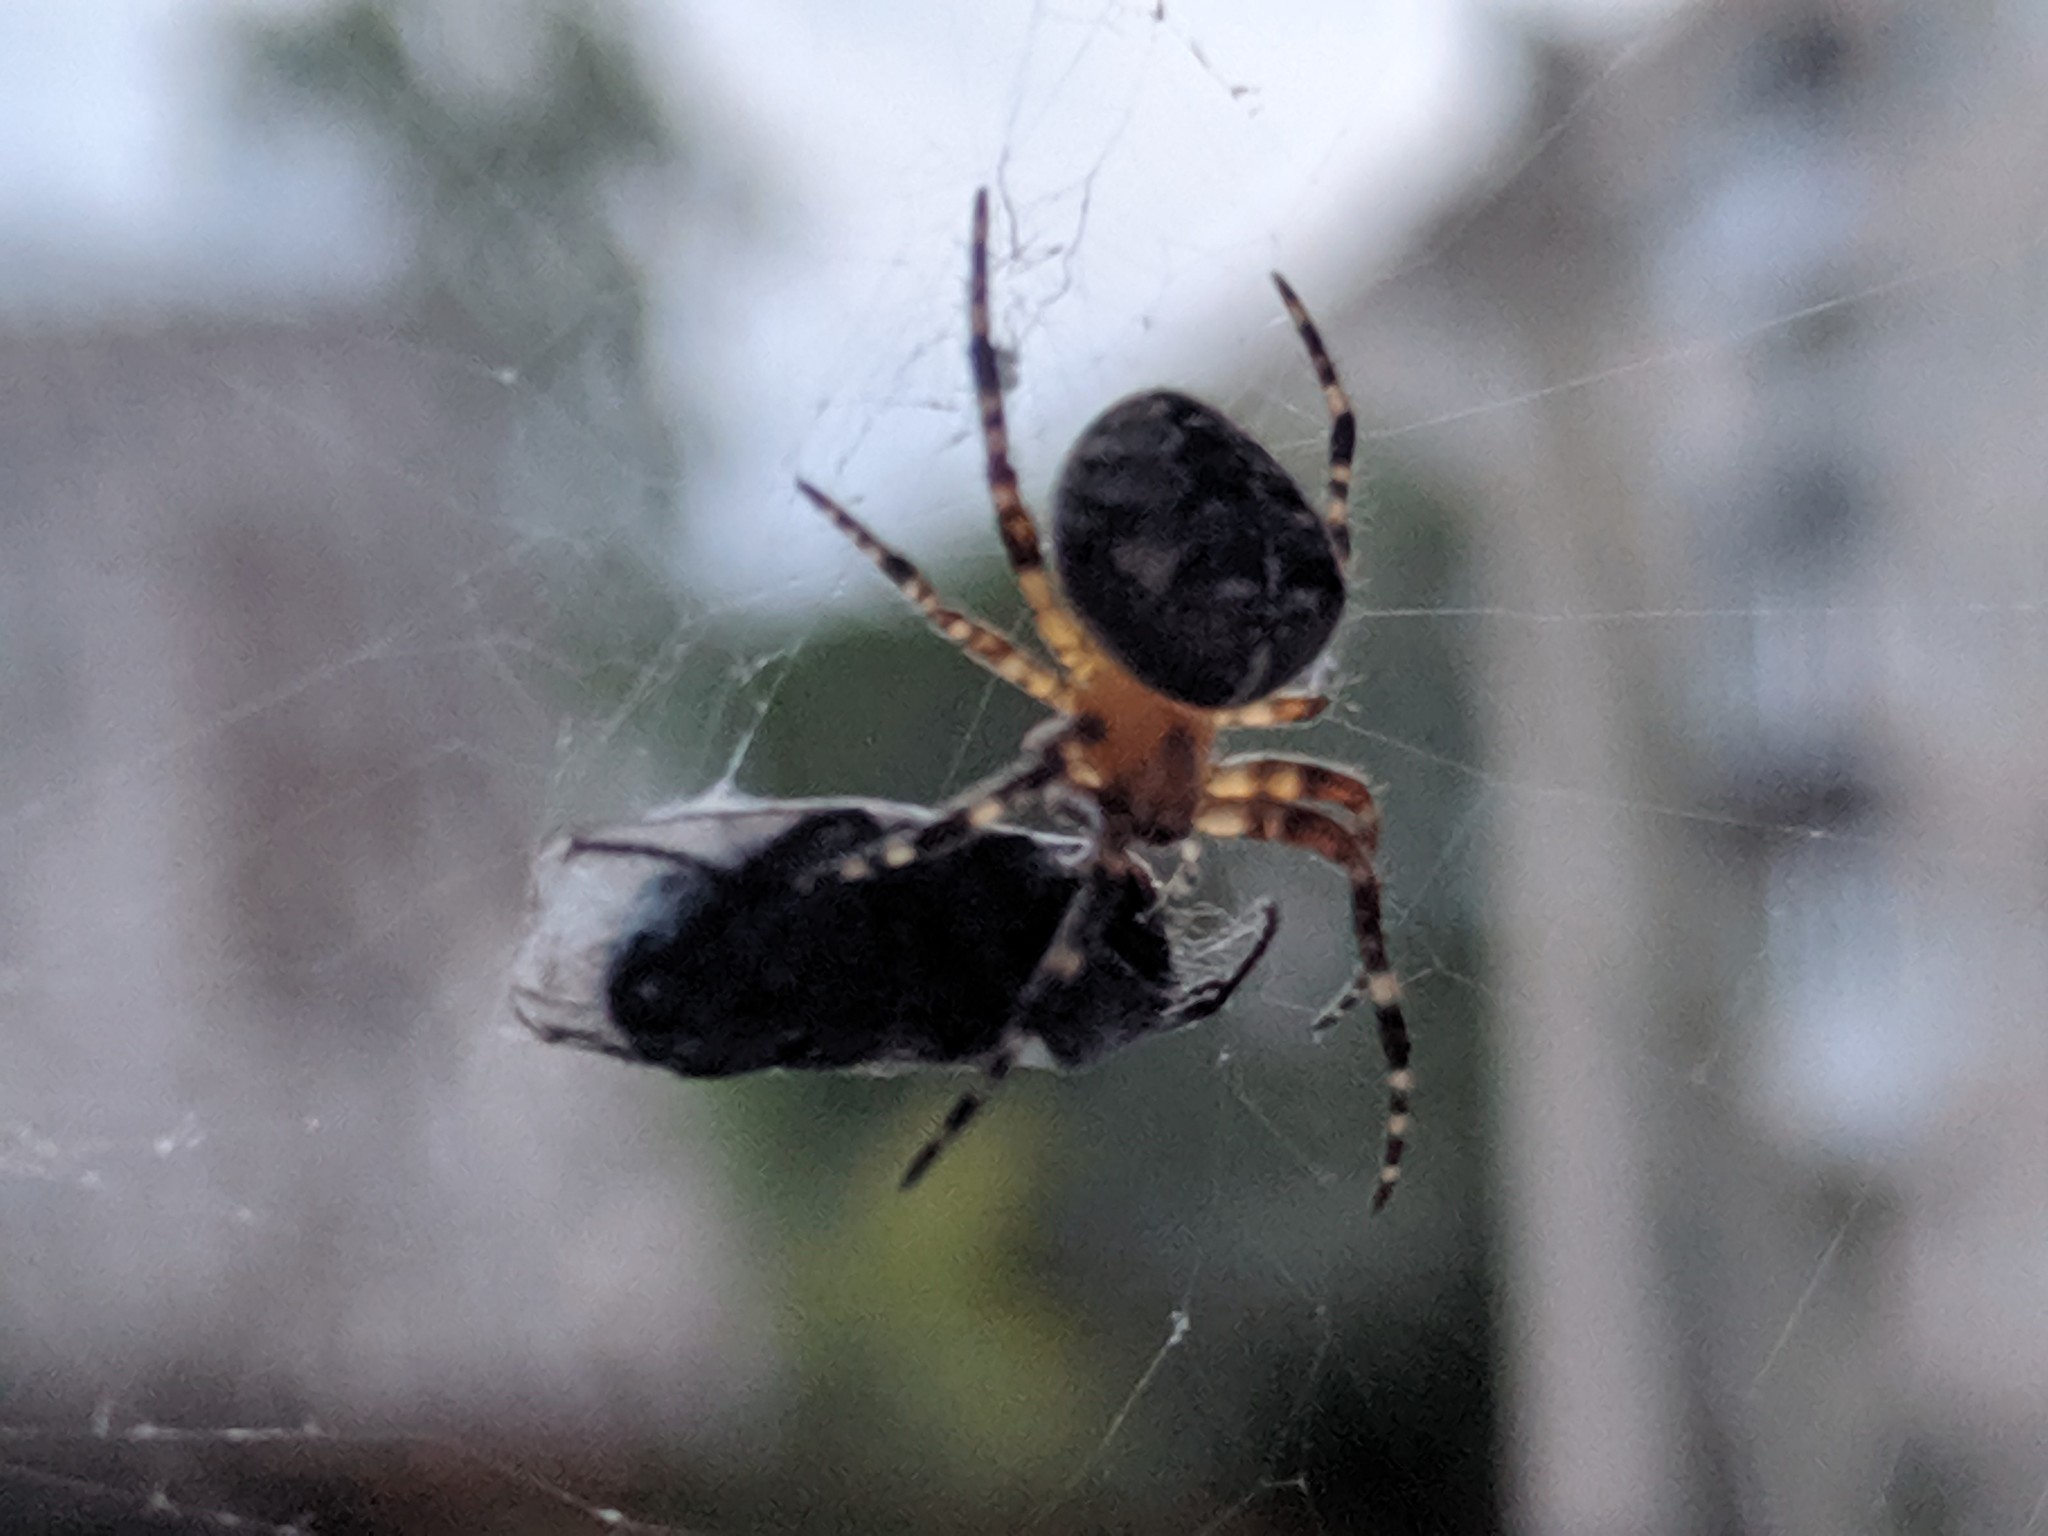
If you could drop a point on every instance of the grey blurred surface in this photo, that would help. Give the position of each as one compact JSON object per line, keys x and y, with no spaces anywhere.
{"x":272,"y":1149}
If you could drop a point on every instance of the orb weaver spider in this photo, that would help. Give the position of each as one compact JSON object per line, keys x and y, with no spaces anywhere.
{"x":1194,"y":582}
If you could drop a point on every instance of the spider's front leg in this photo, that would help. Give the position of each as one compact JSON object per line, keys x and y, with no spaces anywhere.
{"x":1044,"y":763}
{"x":1056,"y":626}
{"x":1260,"y":799}
{"x":960,"y":1116}
{"x":1062,"y":964}
{"x":1279,"y":709}
{"x":1065,"y":957}
{"x":987,"y":645}
{"x":1343,"y":423}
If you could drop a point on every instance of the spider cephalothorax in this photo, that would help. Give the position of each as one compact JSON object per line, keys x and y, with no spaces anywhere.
{"x":1195,"y":581}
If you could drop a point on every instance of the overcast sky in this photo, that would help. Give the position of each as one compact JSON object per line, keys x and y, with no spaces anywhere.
{"x":1158,"y":161}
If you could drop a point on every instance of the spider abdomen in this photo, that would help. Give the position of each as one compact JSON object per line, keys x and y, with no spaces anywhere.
{"x":1191,"y":555}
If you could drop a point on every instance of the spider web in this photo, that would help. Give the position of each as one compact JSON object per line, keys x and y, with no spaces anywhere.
{"x":1710,"y":748}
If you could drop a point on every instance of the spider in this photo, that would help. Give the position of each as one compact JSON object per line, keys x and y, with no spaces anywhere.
{"x":1194,"y":581}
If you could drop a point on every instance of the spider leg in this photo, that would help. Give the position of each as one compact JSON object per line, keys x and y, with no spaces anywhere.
{"x":1064,"y":959}
{"x":1349,"y":844}
{"x":959,"y":1117}
{"x":1288,"y":779}
{"x":988,"y":646}
{"x":1343,"y":423}
{"x":1280,"y":709}
{"x":983,"y":806}
{"x":1056,"y":626}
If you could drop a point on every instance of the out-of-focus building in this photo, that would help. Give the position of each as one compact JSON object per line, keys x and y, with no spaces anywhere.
{"x":1744,"y":370}
{"x":271,"y":799}
{"x":282,"y":734}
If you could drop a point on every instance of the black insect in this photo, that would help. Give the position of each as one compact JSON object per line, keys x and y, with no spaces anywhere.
{"x":691,"y":941}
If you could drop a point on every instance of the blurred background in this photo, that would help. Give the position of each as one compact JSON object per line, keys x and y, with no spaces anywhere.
{"x":399,"y":405}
